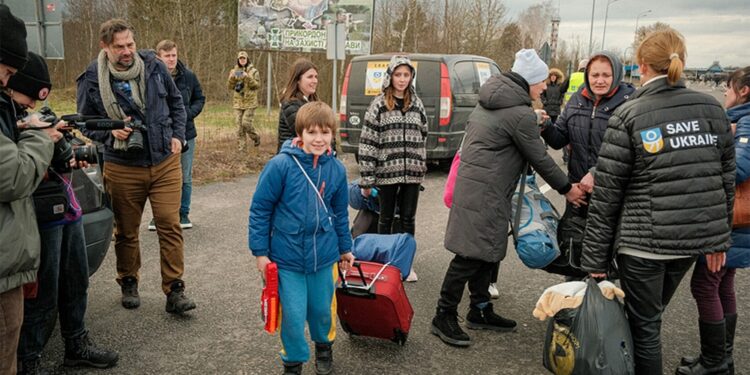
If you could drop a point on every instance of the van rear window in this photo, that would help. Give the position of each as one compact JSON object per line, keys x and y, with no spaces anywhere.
{"x":366,"y":77}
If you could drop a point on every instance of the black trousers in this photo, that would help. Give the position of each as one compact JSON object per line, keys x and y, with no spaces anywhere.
{"x":477,"y":273}
{"x":406,"y":197}
{"x":649,"y":286}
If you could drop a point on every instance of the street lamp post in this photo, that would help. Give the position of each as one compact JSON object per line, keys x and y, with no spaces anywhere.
{"x":635,"y":37}
{"x":591,"y":31}
{"x":606,"y":15}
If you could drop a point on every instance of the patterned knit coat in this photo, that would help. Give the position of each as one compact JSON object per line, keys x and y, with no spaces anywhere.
{"x":392,"y":143}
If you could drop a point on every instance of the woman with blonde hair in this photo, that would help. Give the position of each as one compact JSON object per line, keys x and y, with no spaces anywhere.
{"x":664,"y":192}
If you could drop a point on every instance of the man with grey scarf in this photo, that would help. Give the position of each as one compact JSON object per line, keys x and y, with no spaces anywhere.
{"x":126,"y":84}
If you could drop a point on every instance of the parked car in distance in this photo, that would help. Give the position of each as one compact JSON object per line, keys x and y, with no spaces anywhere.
{"x":447,"y":84}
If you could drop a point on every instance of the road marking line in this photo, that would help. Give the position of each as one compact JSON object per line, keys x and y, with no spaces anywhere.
{"x":545,"y":188}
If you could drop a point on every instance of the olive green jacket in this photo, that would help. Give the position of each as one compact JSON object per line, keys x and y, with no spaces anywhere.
{"x":23,"y":164}
{"x":247,"y":97}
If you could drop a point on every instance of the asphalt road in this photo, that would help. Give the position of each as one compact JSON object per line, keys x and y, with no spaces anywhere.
{"x":224,"y":334}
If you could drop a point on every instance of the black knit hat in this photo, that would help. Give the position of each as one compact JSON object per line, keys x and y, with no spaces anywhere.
{"x":12,"y":40}
{"x":33,"y":80}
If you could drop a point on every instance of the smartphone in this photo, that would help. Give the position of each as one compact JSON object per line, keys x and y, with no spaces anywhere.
{"x":237,"y":73}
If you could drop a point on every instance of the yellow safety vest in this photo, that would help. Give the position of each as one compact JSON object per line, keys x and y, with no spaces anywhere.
{"x":576,"y":81}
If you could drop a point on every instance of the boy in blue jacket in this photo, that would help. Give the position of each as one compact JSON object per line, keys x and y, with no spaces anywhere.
{"x":299,"y":219}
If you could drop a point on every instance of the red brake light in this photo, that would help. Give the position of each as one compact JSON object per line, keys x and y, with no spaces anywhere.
{"x":344,"y":89}
{"x":445,"y":96}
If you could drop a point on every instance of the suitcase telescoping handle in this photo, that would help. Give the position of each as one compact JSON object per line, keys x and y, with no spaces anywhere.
{"x":365,"y":288}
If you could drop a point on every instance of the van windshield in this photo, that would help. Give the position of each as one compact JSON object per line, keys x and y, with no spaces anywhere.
{"x":428,"y":78}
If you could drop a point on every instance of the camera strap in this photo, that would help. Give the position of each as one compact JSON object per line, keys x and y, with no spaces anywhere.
{"x":315,"y":188}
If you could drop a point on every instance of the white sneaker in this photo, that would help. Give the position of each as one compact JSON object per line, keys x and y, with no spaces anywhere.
{"x":494,"y":293}
{"x":412,"y":276}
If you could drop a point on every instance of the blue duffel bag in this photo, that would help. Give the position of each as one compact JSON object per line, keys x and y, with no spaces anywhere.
{"x":535,"y":226}
{"x":396,"y":249}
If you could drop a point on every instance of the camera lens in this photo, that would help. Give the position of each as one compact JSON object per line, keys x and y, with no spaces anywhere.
{"x":135,"y":141}
{"x":86,"y":153}
{"x":62,"y":154}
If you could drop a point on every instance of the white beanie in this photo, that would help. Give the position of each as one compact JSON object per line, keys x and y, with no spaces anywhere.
{"x":529,"y":66}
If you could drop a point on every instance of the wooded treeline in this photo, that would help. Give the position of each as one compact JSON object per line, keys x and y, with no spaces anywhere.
{"x":206,"y":33}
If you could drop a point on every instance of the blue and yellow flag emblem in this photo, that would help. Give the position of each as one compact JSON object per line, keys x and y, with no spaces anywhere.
{"x":652,"y":140}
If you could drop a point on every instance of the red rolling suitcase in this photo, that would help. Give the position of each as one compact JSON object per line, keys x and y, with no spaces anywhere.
{"x":372,"y":302}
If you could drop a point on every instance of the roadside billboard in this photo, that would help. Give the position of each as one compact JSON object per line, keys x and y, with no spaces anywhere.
{"x":300,"y":25}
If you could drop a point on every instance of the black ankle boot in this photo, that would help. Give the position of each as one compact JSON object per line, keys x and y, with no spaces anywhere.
{"x":81,"y":351}
{"x":712,"y":357}
{"x":486,"y":318}
{"x":323,"y":358}
{"x":31,"y":367}
{"x":292,"y":368}
{"x":177,"y":301}
{"x":130,"y":297}
{"x":445,"y":325}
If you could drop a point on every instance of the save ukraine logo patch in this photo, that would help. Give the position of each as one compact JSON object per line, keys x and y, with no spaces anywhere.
{"x":652,"y":140}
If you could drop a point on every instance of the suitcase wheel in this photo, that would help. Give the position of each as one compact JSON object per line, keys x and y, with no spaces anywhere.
{"x":346,"y":328}
{"x":400,"y":337}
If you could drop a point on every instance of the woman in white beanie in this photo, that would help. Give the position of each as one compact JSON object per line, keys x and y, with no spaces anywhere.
{"x":502,"y":127}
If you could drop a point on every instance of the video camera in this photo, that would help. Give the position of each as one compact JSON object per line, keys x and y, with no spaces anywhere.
{"x":64,"y":150}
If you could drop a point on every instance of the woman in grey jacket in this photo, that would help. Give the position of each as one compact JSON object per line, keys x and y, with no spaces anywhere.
{"x":502,"y":136}
{"x":664,"y":191}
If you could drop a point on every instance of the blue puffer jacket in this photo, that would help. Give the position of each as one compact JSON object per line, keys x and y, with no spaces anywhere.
{"x":288,"y":222}
{"x":739,"y":254}
{"x":165,"y":115}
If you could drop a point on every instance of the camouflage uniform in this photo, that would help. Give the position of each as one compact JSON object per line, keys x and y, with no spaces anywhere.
{"x":245,"y":100}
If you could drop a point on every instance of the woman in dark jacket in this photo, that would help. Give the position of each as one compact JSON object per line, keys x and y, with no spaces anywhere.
{"x":664,"y":192}
{"x":552,"y":97}
{"x":581,"y":127}
{"x":502,"y":127}
{"x":300,"y":88}
{"x":714,"y":291}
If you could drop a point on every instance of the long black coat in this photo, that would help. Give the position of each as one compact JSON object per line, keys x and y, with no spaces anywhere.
{"x":501,"y":136}
{"x":552,"y":98}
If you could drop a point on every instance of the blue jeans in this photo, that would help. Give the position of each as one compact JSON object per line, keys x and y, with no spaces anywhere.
{"x":63,"y":282}
{"x":186,"y":160}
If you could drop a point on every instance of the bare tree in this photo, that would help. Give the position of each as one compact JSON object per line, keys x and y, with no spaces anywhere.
{"x":486,"y":21}
{"x":510,"y":43}
{"x":535,"y":23}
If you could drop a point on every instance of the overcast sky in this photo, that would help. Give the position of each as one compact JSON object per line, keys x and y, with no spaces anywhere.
{"x":713,"y":29}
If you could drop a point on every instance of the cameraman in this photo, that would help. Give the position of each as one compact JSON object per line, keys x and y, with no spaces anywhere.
{"x":141,"y":162}
{"x":63,"y":276}
{"x":23,"y":160}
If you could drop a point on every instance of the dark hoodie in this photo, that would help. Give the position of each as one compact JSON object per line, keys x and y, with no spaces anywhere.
{"x":192,"y":96}
{"x":501,"y":137}
{"x":584,"y":120}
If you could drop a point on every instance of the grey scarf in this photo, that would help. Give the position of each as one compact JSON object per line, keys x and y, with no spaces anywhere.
{"x":135,"y":75}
